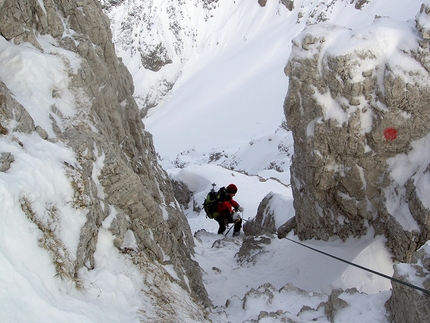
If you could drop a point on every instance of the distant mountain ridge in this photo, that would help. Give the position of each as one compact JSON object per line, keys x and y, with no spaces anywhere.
{"x":158,"y":38}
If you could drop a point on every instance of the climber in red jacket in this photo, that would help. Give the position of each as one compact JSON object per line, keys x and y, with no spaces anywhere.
{"x":226,"y":210}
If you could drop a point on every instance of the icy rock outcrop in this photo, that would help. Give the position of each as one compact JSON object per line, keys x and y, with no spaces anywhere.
{"x":265,"y":221}
{"x":131,"y":187}
{"x":357,"y":103}
{"x":5,"y":160}
{"x":359,"y":4}
{"x":311,"y":307}
{"x":407,"y":304}
{"x":289,"y":4}
{"x":265,"y":296}
{"x":251,"y":248}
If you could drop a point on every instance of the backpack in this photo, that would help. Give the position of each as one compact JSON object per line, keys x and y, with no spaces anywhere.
{"x":210,"y":204}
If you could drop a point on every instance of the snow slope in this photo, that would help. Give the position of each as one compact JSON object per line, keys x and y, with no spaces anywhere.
{"x":231,"y":90}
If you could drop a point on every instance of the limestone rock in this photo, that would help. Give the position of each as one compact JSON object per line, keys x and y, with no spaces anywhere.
{"x":182,"y":193}
{"x":334,"y":304}
{"x":5,"y":160}
{"x":339,"y":105}
{"x":155,"y":58}
{"x":262,"y":2}
{"x":267,"y":293}
{"x":289,"y":4}
{"x":359,"y":4}
{"x":13,"y":116}
{"x":265,"y":221}
{"x":408,"y":304}
{"x":251,"y":248}
{"x":131,"y":187}
{"x":287,"y":227}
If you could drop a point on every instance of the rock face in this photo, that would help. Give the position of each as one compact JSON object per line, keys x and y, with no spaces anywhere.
{"x":408,"y":304}
{"x":356,"y":112}
{"x":264,"y":221}
{"x":131,"y":187}
{"x":359,"y":116}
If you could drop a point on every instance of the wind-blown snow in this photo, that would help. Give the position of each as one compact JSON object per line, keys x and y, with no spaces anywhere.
{"x":404,"y":166}
{"x":225,"y":108}
{"x":23,"y":67}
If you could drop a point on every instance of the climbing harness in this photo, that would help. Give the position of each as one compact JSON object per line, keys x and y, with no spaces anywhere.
{"x":425,"y":291}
